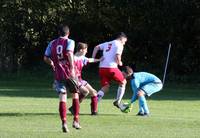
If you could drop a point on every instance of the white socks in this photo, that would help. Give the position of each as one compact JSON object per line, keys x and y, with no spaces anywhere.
{"x":120,"y":93}
{"x":100,"y":95}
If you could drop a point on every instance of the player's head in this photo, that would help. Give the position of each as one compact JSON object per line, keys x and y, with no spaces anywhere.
{"x":128,"y":70}
{"x":82,"y":48}
{"x":122,"y":37}
{"x":63,"y":30}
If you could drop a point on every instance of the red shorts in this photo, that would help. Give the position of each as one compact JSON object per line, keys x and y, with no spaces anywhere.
{"x":108,"y":74}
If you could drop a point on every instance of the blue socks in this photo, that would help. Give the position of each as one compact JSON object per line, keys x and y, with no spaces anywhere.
{"x":143,"y":105}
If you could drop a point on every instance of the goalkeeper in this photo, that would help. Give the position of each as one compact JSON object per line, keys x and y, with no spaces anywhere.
{"x":142,"y":83}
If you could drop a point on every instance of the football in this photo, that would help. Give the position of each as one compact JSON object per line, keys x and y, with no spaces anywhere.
{"x":123,"y":106}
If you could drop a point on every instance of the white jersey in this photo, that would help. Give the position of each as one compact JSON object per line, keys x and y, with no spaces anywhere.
{"x":110,"y":50}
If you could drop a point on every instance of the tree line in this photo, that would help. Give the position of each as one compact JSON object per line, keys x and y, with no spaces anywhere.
{"x":151,"y":25}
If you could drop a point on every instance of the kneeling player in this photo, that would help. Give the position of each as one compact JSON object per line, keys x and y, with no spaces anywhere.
{"x":142,"y":83}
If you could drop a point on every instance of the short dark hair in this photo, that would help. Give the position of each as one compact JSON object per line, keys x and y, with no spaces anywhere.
{"x":81,"y":46}
{"x":132,"y":65}
{"x":63,"y":29}
{"x":120,"y":35}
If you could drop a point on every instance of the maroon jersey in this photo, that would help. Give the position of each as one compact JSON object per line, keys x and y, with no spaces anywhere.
{"x":79,"y":62}
{"x":59,"y":52}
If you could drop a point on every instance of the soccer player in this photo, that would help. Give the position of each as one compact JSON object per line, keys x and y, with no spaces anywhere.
{"x":59,"y":55}
{"x":85,"y":88}
{"x":108,"y":68}
{"x":142,"y":83}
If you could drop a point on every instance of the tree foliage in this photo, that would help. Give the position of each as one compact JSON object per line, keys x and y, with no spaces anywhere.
{"x":27,"y":27}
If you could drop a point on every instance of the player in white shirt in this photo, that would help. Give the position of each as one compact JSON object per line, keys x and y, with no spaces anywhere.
{"x":108,"y":68}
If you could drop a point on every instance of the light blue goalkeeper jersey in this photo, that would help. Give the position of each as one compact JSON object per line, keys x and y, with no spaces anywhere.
{"x":147,"y":82}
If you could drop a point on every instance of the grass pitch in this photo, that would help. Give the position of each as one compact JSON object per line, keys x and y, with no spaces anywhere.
{"x":29,"y":109}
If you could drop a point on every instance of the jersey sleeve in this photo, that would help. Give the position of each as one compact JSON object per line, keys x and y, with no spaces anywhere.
{"x":101,"y":46}
{"x":48,"y":50}
{"x":71,"y":45}
{"x":134,"y":87}
{"x":85,"y":61}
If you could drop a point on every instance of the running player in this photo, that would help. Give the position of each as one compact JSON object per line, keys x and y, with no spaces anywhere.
{"x":59,"y":55}
{"x":85,"y":88}
{"x":142,"y":83}
{"x":108,"y":68}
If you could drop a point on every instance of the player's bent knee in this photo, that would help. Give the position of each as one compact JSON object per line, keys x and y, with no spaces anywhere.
{"x":93,"y":92}
{"x":140,"y":93}
{"x":84,"y":91}
{"x":105,"y":88}
{"x":75,"y":96}
{"x":63,"y":97}
{"x":123,"y":83}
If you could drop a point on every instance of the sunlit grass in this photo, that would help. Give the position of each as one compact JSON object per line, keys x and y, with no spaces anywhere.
{"x":30,"y":109}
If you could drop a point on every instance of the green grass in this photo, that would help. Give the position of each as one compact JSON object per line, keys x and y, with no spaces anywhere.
{"x":29,"y":108}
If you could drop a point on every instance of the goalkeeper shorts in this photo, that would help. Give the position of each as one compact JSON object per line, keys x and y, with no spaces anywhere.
{"x":152,"y":87}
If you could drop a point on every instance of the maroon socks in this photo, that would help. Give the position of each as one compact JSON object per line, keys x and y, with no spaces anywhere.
{"x":76,"y":109}
{"x":62,"y":111}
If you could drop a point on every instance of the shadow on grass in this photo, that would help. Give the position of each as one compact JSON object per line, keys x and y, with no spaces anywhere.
{"x":52,"y":114}
{"x":26,"y":114}
{"x":100,"y":114}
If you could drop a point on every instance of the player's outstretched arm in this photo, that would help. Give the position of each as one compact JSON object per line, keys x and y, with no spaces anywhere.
{"x":96,"y":49}
{"x":94,"y":60}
